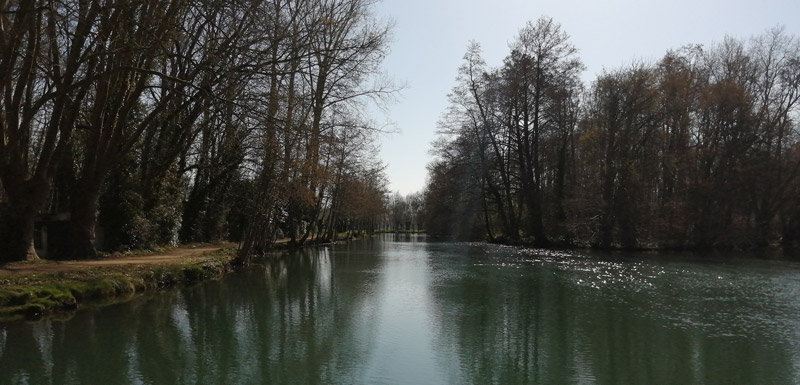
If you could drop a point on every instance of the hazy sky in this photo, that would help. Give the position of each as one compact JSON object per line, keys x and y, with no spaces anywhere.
{"x":431,"y":36}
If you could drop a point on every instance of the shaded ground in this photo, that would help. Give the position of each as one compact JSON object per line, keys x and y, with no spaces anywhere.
{"x":167,"y":257}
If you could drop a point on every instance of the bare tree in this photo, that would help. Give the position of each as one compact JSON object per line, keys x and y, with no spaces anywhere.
{"x":49,"y":60}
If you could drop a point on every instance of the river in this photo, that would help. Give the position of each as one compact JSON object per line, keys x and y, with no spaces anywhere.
{"x":406,"y":310}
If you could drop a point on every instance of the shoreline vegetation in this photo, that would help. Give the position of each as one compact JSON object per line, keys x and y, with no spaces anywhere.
{"x":57,"y":289}
{"x":32,"y":290}
{"x":695,"y":150}
{"x":174,"y":122}
{"x":229,"y":127}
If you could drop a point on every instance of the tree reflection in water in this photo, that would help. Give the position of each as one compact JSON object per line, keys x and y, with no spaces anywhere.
{"x":398,"y":309}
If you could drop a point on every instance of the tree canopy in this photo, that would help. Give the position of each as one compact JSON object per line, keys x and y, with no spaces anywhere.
{"x":148,"y":122}
{"x":697,"y":149}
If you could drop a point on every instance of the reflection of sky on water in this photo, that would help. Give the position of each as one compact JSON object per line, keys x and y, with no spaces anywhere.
{"x":402,"y":349}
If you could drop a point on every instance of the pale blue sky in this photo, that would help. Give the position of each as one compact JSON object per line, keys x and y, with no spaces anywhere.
{"x":430,"y":38}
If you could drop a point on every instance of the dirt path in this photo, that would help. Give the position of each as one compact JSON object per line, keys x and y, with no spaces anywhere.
{"x":171,"y":256}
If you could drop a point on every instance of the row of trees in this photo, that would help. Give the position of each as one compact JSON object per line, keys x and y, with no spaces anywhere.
{"x":188,"y":121}
{"x":404,"y":212}
{"x":699,"y":149}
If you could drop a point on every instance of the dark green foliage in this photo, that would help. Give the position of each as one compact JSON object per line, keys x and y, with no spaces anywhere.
{"x":453,"y":208}
{"x":134,"y":215}
{"x":121,"y":206}
{"x":242,"y":194}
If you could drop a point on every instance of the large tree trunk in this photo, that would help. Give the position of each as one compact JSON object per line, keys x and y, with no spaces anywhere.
{"x":535,"y":217}
{"x":20,"y":233}
{"x":560,"y":193}
{"x":607,"y":218}
{"x":26,"y":198}
{"x":83,"y":220}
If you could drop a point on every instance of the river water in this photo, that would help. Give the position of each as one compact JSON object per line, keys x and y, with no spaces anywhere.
{"x":405,"y":310}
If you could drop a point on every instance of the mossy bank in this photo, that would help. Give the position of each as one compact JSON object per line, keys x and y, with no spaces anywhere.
{"x":61,"y":293}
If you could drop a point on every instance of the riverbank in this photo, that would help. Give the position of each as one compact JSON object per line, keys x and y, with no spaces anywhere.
{"x":34,"y":290}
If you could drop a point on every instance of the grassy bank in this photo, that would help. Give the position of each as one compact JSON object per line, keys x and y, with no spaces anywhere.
{"x":62,"y":292}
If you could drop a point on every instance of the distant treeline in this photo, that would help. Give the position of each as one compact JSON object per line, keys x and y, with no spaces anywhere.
{"x":164,"y":121}
{"x":698,"y":149}
{"x":403,"y":212}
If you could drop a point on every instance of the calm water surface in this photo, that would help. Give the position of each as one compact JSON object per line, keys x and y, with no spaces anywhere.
{"x":401,"y":310}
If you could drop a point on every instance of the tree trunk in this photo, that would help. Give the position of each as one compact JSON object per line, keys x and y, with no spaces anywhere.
{"x":560,"y":193}
{"x":26,"y":197}
{"x":83,"y":220}
{"x":606,"y":236}
{"x":535,"y":218}
{"x":21,"y":233}
{"x":486,"y":220}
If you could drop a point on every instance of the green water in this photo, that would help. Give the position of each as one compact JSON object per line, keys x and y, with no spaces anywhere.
{"x":407,"y":311}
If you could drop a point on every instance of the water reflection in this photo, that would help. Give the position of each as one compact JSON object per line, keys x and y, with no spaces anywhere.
{"x":541,"y":317}
{"x":399,"y":309}
{"x":278,"y":324}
